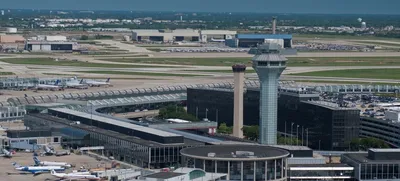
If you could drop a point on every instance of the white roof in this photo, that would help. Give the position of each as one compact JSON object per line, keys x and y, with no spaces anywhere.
{"x":116,"y":122}
{"x":178,"y":121}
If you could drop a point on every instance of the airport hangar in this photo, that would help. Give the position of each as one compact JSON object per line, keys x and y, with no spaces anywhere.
{"x":252,"y":40}
{"x":49,"y":46}
{"x":181,"y":35}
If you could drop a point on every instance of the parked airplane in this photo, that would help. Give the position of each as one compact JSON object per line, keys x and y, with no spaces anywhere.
{"x":46,"y":163}
{"x":74,"y":176}
{"x":217,"y":40}
{"x":37,"y":169}
{"x":75,"y":84}
{"x":62,"y":153}
{"x":48,"y":151}
{"x":6,"y":153}
{"x":49,"y":87}
{"x":94,"y":83}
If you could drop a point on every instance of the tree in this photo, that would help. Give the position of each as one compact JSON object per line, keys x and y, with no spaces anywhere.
{"x":175,"y":111}
{"x":224,"y":129}
{"x":288,"y":141}
{"x":358,"y":144}
{"x":251,"y":132}
{"x":84,"y":37}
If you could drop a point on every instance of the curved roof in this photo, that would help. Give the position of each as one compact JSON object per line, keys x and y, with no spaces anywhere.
{"x":235,"y":152}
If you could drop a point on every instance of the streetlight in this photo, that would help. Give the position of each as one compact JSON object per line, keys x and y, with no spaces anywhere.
{"x":307,"y":137}
{"x":206,"y":114}
{"x":319,"y":144}
{"x":216,"y":116}
{"x":297,"y":135}
{"x":285,"y":133}
{"x":291,"y":133}
{"x":302,"y":135}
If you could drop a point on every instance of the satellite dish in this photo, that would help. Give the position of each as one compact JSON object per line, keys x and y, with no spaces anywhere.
{"x":359,"y":20}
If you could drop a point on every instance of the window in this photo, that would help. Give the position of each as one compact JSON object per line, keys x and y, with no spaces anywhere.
{"x":55,"y":139}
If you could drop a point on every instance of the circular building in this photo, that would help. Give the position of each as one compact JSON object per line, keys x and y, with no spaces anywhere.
{"x":239,"y":162}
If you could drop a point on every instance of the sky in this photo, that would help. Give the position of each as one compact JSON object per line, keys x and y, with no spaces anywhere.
{"x":259,"y":6}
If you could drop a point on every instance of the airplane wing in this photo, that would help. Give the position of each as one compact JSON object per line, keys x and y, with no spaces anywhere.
{"x":36,"y":173}
{"x":2,"y":155}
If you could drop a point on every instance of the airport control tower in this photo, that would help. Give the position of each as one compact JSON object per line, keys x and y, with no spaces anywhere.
{"x":269,"y":64}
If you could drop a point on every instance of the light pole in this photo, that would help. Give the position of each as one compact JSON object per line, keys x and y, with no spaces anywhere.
{"x":285,"y":133}
{"x":319,"y":144}
{"x":307,"y":137}
{"x":291,"y":134}
{"x":197,"y":112}
{"x":206,"y":114}
{"x":302,"y":135}
{"x":216,"y":117}
{"x":297,"y":135}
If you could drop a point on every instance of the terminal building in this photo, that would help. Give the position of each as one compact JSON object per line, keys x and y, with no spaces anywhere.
{"x":139,"y":145}
{"x":239,"y":162}
{"x":329,"y":127}
{"x":377,"y":164}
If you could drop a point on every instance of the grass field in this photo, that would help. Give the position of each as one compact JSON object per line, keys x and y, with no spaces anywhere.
{"x":344,"y":82}
{"x":138,"y":73}
{"x":221,"y":71}
{"x":357,"y":73}
{"x":379,"y":43}
{"x":6,"y":73}
{"x":293,"y":61}
{"x":343,"y":37}
{"x":49,"y":61}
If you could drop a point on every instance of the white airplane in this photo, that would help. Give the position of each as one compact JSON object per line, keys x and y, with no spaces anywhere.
{"x":48,"y":151}
{"x":6,"y":153}
{"x":37,"y":170}
{"x":75,"y":84}
{"x":74,"y":176}
{"x":49,"y":87}
{"x":217,"y":40}
{"x":46,"y":163}
{"x":94,"y":83}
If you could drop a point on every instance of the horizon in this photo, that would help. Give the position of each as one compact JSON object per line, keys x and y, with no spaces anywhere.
{"x":353,"y":7}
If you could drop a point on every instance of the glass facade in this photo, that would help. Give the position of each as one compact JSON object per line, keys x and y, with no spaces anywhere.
{"x":386,"y":171}
{"x":328,"y":129}
{"x":241,"y":170}
{"x":121,"y":147}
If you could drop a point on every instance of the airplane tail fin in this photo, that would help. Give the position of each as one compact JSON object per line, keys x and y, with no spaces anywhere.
{"x":57,"y":81}
{"x":81,"y":82}
{"x":108,"y":80}
{"x":15,"y":164}
{"x":53,"y":172}
{"x":36,"y":159}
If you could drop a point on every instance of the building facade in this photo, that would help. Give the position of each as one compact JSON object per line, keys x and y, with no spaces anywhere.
{"x":239,"y":162}
{"x":334,"y":126}
{"x":386,"y":130}
{"x":377,"y":164}
{"x":142,"y":152}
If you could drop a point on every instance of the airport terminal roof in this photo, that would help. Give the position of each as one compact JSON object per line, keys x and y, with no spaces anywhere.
{"x":264,"y":36}
{"x":115,"y":122}
{"x":235,"y":152}
{"x":112,"y":133}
